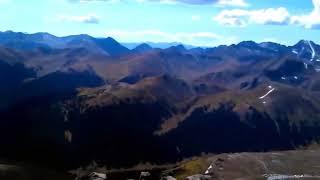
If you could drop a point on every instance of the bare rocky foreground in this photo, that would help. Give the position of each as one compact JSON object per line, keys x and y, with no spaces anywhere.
{"x":298,"y":164}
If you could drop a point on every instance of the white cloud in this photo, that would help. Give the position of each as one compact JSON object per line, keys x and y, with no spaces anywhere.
{"x":195,"y":18}
{"x":90,"y":18}
{"x":309,"y":21}
{"x":92,"y":1}
{"x":278,"y":16}
{"x":273,"y":16}
{"x":168,"y":2}
{"x":84,"y":1}
{"x":220,"y":3}
{"x":240,"y":17}
{"x":4,"y":1}
{"x":239,"y":3}
{"x":180,"y":1}
{"x":196,"y":38}
{"x":231,"y":17}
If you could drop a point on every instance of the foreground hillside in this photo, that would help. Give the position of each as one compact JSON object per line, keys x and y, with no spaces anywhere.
{"x":299,"y":164}
{"x":163,"y":125}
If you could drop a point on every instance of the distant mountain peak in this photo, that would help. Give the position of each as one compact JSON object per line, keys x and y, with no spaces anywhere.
{"x":303,"y":43}
{"x":142,"y":48}
{"x":179,"y":48}
{"x":248,"y":44}
{"x":43,"y":34}
{"x":111,"y":39}
{"x":144,"y":45}
{"x":112,"y":46}
{"x":8,"y":31}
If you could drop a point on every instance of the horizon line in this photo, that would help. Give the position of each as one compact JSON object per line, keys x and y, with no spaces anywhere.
{"x":191,"y":46}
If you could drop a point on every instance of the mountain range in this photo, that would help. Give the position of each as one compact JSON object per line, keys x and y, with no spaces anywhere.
{"x":65,"y":101}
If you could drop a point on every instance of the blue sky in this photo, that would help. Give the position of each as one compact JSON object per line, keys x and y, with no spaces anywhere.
{"x":195,"y":22}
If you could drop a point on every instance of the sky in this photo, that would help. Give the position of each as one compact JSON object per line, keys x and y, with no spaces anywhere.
{"x":193,"y":22}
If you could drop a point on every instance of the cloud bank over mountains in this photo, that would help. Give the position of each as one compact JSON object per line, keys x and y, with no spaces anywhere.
{"x":240,"y":17}
{"x":270,"y":16}
{"x":232,"y":17}
{"x":239,"y":3}
{"x":310,"y":21}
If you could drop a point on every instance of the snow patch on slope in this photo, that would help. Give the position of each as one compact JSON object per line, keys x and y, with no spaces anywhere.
{"x":295,"y":52}
{"x":313,"y":51}
{"x":270,"y":91}
{"x":208,"y":170}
